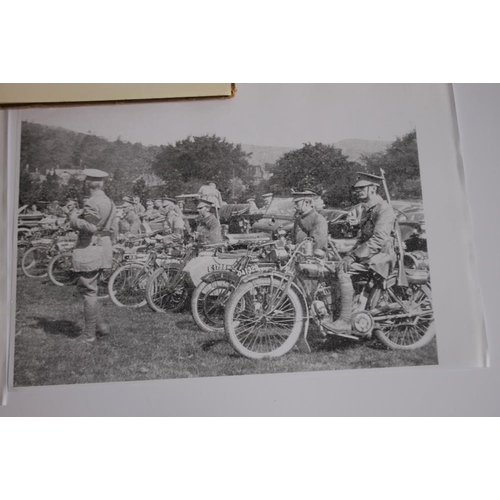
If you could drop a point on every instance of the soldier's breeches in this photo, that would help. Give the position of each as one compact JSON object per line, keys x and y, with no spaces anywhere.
{"x":88,"y":285}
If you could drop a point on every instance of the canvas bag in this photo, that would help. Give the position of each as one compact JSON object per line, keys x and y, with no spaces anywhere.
{"x":89,"y":258}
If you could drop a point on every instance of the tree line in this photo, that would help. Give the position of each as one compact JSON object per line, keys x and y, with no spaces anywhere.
{"x":187,"y":164}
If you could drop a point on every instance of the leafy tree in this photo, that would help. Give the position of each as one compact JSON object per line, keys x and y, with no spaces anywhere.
{"x":401,"y":166}
{"x":141,"y":190}
{"x":29,"y":188}
{"x":189,"y":163}
{"x":50,"y":189}
{"x":320,"y":167}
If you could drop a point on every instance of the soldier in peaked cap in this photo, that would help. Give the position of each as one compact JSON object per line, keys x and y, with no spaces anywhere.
{"x":96,"y":227}
{"x":174,"y":225}
{"x":130,"y":222}
{"x":253,"y":207}
{"x":151,"y":213}
{"x":208,"y":225}
{"x":308,"y":222}
{"x":372,"y":249}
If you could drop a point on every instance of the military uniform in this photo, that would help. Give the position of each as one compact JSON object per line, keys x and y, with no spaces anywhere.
{"x":374,"y":248}
{"x":93,"y":251}
{"x":311,"y":225}
{"x":212,"y":194}
{"x":209,"y":228}
{"x":130,"y":224}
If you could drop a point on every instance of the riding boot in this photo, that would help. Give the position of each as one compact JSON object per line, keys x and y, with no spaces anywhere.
{"x":343,"y":324}
{"x":90,"y":315}
{"x":102,"y":328}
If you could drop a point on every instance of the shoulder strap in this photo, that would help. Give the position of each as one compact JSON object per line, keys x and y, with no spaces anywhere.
{"x":109,"y":220}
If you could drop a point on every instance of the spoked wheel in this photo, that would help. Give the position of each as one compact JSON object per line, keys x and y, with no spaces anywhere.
{"x":208,"y":303}
{"x":22,"y":247}
{"x":167,"y":290}
{"x":35,"y":261}
{"x":104,"y":277}
{"x":403,"y":317}
{"x":60,"y":270}
{"x":127,"y":286}
{"x":261,"y":321}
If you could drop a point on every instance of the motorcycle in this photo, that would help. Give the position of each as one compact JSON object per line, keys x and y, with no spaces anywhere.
{"x":269,"y":313}
{"x":213,"y":291}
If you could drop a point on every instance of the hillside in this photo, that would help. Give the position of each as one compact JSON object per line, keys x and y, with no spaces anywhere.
{"x":355,"y":148}
{"x":264,"y":154}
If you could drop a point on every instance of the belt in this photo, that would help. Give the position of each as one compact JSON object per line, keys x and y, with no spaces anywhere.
{"x":102,"y":233}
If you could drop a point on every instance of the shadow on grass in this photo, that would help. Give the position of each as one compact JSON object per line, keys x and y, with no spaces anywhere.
{"x":58,"y":327}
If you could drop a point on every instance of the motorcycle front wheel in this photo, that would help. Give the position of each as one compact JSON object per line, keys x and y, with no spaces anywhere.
{"x":34,"y":262}
{"x":60,"y":270}
{"x":127,"y":286}
{"x":261,"y":322}
{"x":397,"y":330}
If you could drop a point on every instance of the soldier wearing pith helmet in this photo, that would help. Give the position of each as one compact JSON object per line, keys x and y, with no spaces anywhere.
{"x":96,"y":227}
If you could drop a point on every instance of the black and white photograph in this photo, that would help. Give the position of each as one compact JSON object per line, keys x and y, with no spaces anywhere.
{"x":278,"y":231}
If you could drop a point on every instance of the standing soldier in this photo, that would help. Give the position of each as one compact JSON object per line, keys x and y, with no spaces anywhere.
{"x":211,"y":193}
{"x":208,"y":225}
{"x":93,"y":251}
{"x":373,"y":249}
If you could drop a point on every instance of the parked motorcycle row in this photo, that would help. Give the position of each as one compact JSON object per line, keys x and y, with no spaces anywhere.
{"x":263,"y":292}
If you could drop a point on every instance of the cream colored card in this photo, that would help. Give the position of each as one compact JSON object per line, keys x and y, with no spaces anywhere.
{"x":44,"y":93}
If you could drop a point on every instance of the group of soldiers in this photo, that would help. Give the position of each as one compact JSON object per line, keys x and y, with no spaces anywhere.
{"x":95,"y":225}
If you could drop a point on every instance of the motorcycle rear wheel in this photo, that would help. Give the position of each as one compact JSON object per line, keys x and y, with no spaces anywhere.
{"x":127,"y":285}
{"x":402,"y":333}
{"x":208,"y":304}
{"x":260,"y":322}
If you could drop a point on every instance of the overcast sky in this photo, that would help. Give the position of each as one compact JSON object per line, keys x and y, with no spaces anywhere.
{"x":261,"y":114}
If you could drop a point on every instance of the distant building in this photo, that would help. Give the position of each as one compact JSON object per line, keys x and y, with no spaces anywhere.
{"x":151,"y":180}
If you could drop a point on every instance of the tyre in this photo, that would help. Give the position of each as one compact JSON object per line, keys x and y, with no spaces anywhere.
{"x":35,"y":261}
{"x":403,"y":333}
{"x":208,"y":304}
{"x":166,"y":289}
{"x":22,"y":247}
{"x":127,"y":286}
{"x":60,"y":270}
{"x":261,"y":322}
{"x":104,"y":277}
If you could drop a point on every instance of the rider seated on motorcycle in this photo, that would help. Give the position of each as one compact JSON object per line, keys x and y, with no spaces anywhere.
{"x":173,"y":226}
{"x":309,"y":223}
{"x":372,"y":249}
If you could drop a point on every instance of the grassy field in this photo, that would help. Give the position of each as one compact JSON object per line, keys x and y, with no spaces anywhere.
{"x":144,"y":345}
